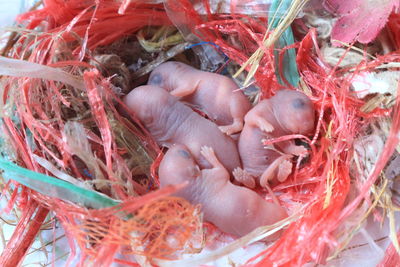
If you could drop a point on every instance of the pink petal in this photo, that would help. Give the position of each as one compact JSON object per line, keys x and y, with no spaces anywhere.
{"x":342,"y":6}
{"x":360,"y":20}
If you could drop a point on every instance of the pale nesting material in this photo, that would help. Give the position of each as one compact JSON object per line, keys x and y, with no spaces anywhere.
{"x":323,"y":25}
{"x":23,"y":68}
{"x":393,"y":168}
{"x":59,"y":174}
{"x":112,"y":66}
{"x":367,"y":247}
{"x":392,"y":173}
{"x":366,"y":150}
{"x":336,"y":56}
{"x":392,"y":78}
{"x":76,"y":141}
{"x":258,"y":8}
{"x":366,"y":83}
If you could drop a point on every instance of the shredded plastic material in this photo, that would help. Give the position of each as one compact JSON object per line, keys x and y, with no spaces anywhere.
{"x":52,"y":187}
{"x":287,"y":64}
{"x":62,"y":117}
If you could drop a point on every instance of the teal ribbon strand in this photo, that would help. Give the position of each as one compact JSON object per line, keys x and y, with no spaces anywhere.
{"x":290,"y":72}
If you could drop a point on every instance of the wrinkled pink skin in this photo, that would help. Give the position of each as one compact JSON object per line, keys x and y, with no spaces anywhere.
{"x":233,"y":209}
{"x":170,"y":121}
{"x":288,"y":112}
{"x":216,"y":95}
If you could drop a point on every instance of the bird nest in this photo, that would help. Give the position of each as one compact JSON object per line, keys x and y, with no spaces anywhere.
{"x":69,"y":156}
